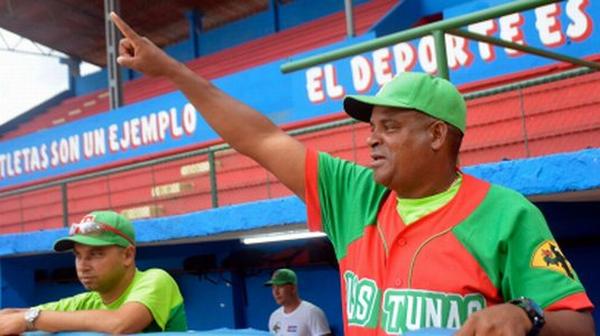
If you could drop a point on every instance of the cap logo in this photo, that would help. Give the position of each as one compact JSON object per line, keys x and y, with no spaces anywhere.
{"x":87,"y":219}
{"x":549,"y":256}
{"x":89,"y":226}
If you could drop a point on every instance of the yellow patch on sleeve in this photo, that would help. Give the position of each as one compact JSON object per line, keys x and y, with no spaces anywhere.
{"x":549,"y":256}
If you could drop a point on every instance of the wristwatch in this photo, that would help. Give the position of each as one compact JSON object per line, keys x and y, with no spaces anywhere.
{"x":30,"y":316}
{"x":533,"y":311}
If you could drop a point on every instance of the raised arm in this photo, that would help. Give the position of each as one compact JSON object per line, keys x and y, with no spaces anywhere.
{"x":245,"y":129}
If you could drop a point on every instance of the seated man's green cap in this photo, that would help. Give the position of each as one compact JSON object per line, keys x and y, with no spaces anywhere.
{"x":282,"y":276}
{"x":431,"y":95}
{"x":99,"y":228}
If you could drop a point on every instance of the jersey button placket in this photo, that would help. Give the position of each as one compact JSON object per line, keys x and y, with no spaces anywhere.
{"x":402,"y":252}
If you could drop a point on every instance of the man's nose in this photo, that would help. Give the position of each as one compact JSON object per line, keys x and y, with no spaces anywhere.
{"x":83,"y":264}
{"x":373,"y":139}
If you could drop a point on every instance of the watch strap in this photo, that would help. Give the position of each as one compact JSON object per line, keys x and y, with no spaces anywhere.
{"x":534,"y":313}
{"x":30,"y":316}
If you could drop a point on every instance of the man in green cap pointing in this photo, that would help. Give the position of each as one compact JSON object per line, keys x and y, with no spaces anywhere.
{"x":121,"y":299}
{"x":419,"y":243}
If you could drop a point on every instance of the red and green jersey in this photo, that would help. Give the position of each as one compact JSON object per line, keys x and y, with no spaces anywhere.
{"x":487,"y":245}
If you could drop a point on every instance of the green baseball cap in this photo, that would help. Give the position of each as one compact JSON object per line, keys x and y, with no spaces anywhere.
{"x":99,"y":228}
{"x":431,"y":95}
{"x":282,"y":276}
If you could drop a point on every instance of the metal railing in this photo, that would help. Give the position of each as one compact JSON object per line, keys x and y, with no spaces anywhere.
{"x":438,"y":30}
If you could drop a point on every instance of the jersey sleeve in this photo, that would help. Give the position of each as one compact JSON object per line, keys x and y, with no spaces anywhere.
{"x":511,"y":239}
{"x":341,"y":198}
{"x":159,"y":292}
{"x":536,"y":267}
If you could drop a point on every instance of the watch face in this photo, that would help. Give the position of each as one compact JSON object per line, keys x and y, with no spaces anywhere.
{"x":536,"y":307}
{"x":32,"y":314}
{"x":533,"y":311}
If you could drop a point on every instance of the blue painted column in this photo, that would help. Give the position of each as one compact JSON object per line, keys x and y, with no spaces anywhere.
{"x":240,"y":299}
{"x":195,"y":27}
{"x":72,"y":71}
{"x":2,"y":285}
{"x":274,"y":11}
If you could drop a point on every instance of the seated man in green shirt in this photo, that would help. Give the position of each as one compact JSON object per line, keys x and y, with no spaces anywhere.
{"x":121,"y":299}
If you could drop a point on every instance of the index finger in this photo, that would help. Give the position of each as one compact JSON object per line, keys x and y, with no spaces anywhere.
{"x":127,"y":31}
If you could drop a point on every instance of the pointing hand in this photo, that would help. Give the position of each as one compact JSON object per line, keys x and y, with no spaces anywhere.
{"x":140,"y":54}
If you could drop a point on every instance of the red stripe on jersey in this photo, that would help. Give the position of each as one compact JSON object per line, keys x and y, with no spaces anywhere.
{"x":578,"y":301}
{"x":311,"y":187}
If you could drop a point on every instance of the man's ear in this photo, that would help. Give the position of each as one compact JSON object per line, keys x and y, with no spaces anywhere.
{"x":129,"y":253}
{"x":438,"y":132}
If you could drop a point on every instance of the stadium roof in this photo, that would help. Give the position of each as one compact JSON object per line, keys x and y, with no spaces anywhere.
{"x":76,"y":27}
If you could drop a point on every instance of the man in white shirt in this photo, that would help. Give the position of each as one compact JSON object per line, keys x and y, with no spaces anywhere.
{"x":295,"y":316}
